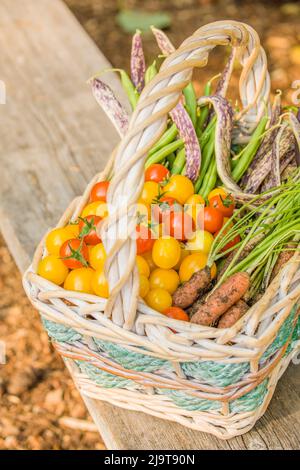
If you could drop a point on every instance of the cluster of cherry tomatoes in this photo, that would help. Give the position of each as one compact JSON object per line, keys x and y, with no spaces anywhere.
{"x":76,"y":254}
{"x":184,"y":227}
{"x":174,"y":234}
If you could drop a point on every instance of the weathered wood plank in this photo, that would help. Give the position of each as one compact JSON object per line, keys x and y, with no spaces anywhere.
{"x":53,"y":139}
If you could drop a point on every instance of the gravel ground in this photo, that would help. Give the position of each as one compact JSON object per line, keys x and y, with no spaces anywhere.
{"x":277,"y":23}
{"x":37,"y":394}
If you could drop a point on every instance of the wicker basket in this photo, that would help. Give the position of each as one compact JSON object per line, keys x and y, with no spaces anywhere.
{"x":215,"y":380}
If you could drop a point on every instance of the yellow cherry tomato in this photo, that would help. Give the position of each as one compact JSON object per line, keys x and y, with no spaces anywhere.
{"x":179,"y":187}
{"x":143,"y":266}
{"x":97,"y":256}
{"x":148,"y":257}
{"x":56,"y":238}
{"x":150,"y":192}
{"x":73,"y":229}
{"x":195,"y":199}
{"x":217,"y":192}
{"x":99,"y":284}
{"x":80,"y":280}
{"x":158,"y":299}
{"x":95,"y":208}
{"x":167,"y":279}
{"x":166,"y":252}
{"x":213,"y":271}
{"x":102,"y":210}
{"x":144,"y":286}
{"x":201,"y":241}
{"x":191,"y":264}
{"x":53,"y":269}
{"x":193,"y":206}
{"x":184,"y":252}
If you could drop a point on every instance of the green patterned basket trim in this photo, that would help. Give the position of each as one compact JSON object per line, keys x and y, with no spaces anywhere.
{"x":214,"y":373}
{"x":295,"y":337}
{"x":61,"y":333}
{"x":103,"y":378}
{"x":252,"y":400}
{"x":249,"y":402}
{"x":188,"y":402}
{"x":282,"y":337}
{"x":132,"y":360}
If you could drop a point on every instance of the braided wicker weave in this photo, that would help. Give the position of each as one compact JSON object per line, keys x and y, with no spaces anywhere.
{"x":215,"y":380}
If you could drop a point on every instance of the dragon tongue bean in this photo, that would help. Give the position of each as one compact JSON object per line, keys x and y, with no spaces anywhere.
{"x":110,"y":105}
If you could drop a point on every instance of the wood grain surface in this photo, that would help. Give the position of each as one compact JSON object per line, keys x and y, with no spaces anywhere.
{"x":53,"y":139}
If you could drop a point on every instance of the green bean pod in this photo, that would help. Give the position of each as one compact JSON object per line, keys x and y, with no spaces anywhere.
{"x":167,"y":137}
{"x":158,"y":156}
{"x":207,"y":132}
{"x":151,"y":72}
{"x":204,"y":110}
{"x":191,"y":102}
{"x":250,"y":150}
{"x":210,"y":179}
{"x":207,"y":154}
{"x":129,"y":88}
{"x":171,"y":159}
{"x":179,"y":162}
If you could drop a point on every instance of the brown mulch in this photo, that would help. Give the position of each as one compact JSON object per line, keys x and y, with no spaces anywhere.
{"x":277,"y":23}
{"x":36,"y":391}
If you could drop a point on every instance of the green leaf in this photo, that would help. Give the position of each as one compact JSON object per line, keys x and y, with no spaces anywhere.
{"x":131,"y":20}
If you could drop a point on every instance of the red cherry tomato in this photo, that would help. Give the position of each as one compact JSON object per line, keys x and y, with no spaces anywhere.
{"x":224,"y":204}
{"x":99,"y":191}
{"x":176,"y":313}
{"x":87,"y":229}
{"x":74,"y":253}
{"x":144,"y":240}
{"x":179,"y":225}
{"x":212,"y":219}
{"x":157,"y":173}
{"x":163,"y":208}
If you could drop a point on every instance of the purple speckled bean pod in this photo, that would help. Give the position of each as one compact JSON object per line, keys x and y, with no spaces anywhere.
{"x":288,"y":158}
{"x":223,"y":83}
{"x":295,"y":126}
{"x":222,"y":86}
{"x":110,"y":105}
{"x":223,"y":133}
{"x":289,"y":170}
{"x":163,"y":41}
{"x":187,"y":132}
{"x":266,"y":143}
{"x":263,"y":169}
{"x":137,"y":62}
{"x":273,"y":178}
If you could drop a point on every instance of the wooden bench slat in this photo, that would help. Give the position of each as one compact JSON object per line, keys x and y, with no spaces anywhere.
{"x":53,"y":139}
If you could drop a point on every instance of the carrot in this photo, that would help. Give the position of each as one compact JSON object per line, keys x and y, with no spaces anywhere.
{"x":233,"y":314}
{"x":222,"y":299}
{"x":187,"y":293}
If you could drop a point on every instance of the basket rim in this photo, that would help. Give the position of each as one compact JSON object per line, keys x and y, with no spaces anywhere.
{"x":242,"y":334}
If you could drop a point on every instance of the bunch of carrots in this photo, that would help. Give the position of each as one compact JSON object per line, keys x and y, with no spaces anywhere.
{"x":203,"y":254}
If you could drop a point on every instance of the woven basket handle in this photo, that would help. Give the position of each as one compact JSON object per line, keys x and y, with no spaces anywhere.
{"x":147,"y":124}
